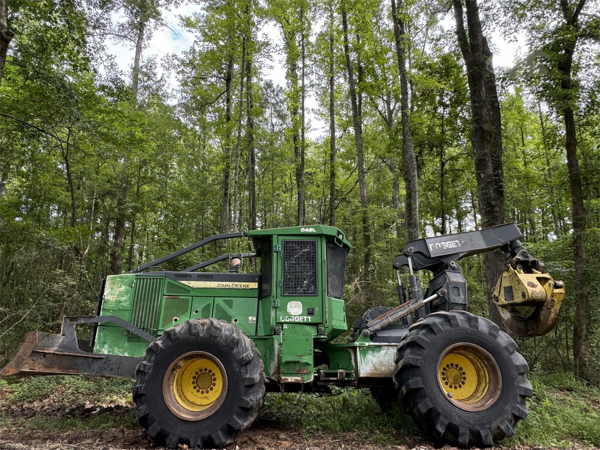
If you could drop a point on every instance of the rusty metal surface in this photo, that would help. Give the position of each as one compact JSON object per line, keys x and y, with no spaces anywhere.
{"x":60,"y":354}
{"x":47,"y":363}
{"x":516,"y":290}
{"x":14,"y":366}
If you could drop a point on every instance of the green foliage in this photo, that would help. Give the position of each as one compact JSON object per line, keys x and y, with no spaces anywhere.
{"x":72,"y":390}
{"x":562,"y":410}
{"x":346,"y":410}
{"x":82,"y":156}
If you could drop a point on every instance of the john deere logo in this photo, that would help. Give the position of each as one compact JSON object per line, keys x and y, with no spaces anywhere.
{"x":308,"y":230}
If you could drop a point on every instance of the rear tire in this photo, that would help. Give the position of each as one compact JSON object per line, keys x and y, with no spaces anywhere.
{"x":385,"y":397}
{"x":461,"y":379}
{"x":200,"y":384}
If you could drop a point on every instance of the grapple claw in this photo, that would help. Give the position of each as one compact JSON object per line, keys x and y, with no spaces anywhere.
{"x":528,"y":303}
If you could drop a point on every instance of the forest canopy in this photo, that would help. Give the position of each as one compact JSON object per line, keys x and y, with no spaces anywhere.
{"x":103,"y":170}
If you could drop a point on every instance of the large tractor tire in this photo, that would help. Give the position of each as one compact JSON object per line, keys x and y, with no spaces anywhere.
{"x":461,"y":379}
{"x":200,"y":384}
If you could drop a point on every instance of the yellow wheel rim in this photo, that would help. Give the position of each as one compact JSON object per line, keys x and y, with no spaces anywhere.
{"x":469,"y":377}
{"x":195,"y":386}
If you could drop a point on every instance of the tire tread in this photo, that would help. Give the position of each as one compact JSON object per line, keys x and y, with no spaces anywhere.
{"x":411,"y":367}
{"x":244,"y":353}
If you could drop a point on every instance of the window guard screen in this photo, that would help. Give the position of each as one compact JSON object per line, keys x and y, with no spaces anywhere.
{"x":299,"y":274}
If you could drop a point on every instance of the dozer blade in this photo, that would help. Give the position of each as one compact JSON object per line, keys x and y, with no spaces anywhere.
{"x":60,"y":354}
{"x":528,"y":303}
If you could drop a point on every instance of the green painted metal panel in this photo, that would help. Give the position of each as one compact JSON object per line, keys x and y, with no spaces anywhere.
{"x":174,"y":311}
{"x":229,"y":293}
{"x":266,"y":317}
{"x":117,"y":301}
{"x":337,"y":318}
{"x":202,"y":307}
{"x":113,"y":340}
{"x":148,"y":303}
{"x":241,"y":312}
{"x":296,"y":353}
{"x":306,"y":230}
{"x":339,"y":357}
{"x":174,"y":288}
{"x":300,"y":293}
{"x":268,"y":346}
{"x":118,"y":293}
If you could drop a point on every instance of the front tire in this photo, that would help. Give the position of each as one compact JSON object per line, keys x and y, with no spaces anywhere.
{"x":461,"y":378}
{"x":200,"y":384}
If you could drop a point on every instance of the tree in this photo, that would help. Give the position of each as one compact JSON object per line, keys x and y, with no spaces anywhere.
{"x":554,"y":63}
{"x":6,"y":35}
{"x":292,"y":16}
{"x":332,"y":137}
{"x":408,"y":151}
{"x":486,"y":133}
{"x":358,"y":137}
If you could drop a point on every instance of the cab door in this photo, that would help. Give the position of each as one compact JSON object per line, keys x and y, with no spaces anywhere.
{"x":299,"y":290}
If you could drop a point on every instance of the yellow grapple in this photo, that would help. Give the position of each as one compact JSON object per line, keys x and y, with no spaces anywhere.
{"x":529,"y":303}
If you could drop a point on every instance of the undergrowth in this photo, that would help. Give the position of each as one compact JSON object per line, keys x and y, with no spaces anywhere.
{"x":562,"y":411}
{"x":347,"y":410}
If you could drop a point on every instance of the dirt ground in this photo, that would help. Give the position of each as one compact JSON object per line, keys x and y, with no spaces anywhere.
{"x":257,"y":438}
{"x":17,"y":434}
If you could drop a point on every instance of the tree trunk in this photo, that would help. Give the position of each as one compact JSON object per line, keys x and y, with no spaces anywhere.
{"x":408,"y":151}
{"x":133,"y":221}
{"x":65,"y":155}
{"x":294,"y":103}
{"x":486,"y":135}
{"x":120,"y":221}
{"x":3,"y":181}
{"x":6,"y":35}
{"x":251,"y":152}
{"x":582,"y":319}
{"x":332,"y":149}
{"x":300,"y":176}
{"x":115,"y":254}
{"x":236,"y":170}
{"x":443,"y":163}
{"x":396,"y":196}
{"x":138,"y":57}
{"x":362,"y":184}
{"x":549,"y":175}
{"x":225,"y":214}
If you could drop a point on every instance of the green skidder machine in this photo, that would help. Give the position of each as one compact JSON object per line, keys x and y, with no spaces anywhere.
{"x":204,"y":347}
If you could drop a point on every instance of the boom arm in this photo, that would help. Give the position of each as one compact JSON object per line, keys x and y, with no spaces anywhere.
{"x":437,"y":253}
{"x":525,"y":282}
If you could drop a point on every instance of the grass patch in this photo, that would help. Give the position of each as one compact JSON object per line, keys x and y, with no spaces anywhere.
{"x":98,"y":421}
{"x":68,"y":389}
{"x":67,"y":403}
{"x":563,"y":411}
{"x":347,"y":410}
